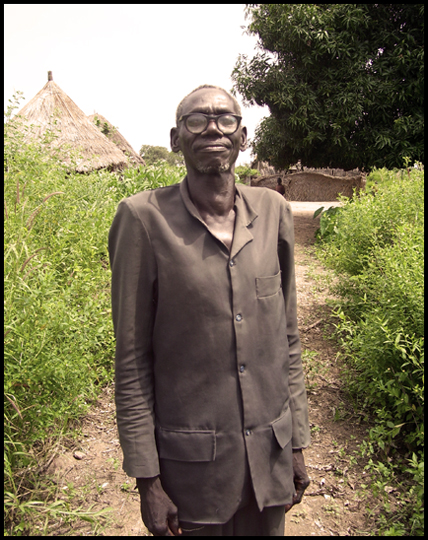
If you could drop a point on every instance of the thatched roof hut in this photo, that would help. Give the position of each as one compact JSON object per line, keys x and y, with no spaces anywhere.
{"x":113,"y":135}
{"x":75,"y":129}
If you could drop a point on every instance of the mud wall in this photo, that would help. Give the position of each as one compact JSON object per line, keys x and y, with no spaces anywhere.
{"x":311,"y":186}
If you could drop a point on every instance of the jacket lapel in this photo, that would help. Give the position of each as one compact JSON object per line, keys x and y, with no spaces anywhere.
{"x":245,"y":215}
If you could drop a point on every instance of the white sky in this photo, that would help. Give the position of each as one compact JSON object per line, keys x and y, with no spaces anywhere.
{"x":130,"y":63}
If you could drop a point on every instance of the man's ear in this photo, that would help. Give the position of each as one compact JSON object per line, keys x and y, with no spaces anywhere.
{"x":243,"y":146}
{"x":175,"y":140}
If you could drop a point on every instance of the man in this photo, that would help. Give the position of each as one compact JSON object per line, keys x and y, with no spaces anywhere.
{"x":210,"y":397}
{"x":279,"y":187}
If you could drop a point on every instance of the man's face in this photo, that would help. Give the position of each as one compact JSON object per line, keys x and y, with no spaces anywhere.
{"x":211,"y":151}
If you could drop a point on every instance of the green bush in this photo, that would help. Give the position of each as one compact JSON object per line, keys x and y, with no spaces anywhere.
{"x":372,"y":221}
{"x":377,"y":252}
{"x":244,"y":172}
{"x":59,"y":341}
{"x":154,"y":155}
{"x":328,"y":221}
{"x":58,"y":333}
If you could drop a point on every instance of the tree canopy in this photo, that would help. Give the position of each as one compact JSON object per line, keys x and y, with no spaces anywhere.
{"x":343,"y":82}
{"x":154,"y":154}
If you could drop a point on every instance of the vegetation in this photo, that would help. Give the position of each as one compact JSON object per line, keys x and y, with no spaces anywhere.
{"x":245,"y":173}
{"x":104,"y":127}
{"x":344,"y":83}
{"x":156,"y":154}
{"x":375,"y":244}
{"x":59,"y":342}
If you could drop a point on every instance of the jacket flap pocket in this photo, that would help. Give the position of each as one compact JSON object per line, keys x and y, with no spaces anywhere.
{"x":283,"y":428}
{"x":186,"y":445}
{"x":268,"y":286}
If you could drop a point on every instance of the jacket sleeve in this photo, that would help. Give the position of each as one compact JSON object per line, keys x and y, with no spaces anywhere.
{"x":298,"y":398}
{"x":133,"y":269}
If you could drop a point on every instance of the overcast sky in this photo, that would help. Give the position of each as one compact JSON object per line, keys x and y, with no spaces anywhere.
{"x":130,"y":63}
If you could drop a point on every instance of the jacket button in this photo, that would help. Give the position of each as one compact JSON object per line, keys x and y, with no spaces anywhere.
{"x":232,"y":263}
{"x":239,"y":317}
{"x":248,"y":432}
{"x":242,"y":369}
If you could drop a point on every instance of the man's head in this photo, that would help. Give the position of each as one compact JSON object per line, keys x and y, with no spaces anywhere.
{"x":179,"y":110}
{"x":211,"y":140}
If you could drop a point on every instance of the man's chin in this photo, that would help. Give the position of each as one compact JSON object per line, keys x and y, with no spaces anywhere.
{"x":213,"y":169}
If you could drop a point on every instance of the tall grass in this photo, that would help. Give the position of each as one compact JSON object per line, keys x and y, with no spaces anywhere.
{"x":375,"y":244}
{"x":59,"y":342}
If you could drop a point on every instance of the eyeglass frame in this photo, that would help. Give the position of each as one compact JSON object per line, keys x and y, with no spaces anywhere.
{"x":209,"y":117}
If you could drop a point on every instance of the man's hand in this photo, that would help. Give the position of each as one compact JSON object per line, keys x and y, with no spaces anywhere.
{"x":159,"y":513}
{"x":301,"y":478}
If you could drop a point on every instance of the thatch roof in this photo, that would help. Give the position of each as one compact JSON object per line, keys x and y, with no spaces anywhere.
{"x":113,"y":135}
{"x":76,"y":130}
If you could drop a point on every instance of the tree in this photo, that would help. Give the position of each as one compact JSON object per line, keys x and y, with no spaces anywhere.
{"x":153,"y":154}
{"x":343,"y":82}
{"x":245,"y":173}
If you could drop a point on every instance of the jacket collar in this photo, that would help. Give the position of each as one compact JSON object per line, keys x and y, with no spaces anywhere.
{"x":245,"y":215}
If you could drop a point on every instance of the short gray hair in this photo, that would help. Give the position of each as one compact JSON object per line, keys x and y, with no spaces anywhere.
{"x":180,"y":106}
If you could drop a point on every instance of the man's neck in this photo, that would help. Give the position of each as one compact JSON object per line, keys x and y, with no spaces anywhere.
{"x":212,"y":194}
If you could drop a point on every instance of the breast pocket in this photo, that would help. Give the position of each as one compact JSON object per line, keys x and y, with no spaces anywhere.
{"x":268,"y":286}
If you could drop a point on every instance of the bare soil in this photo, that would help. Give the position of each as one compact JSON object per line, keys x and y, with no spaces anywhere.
{"x":88,"y":470}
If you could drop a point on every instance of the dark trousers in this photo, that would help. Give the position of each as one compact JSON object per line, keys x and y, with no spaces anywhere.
{"x":248,"y":521}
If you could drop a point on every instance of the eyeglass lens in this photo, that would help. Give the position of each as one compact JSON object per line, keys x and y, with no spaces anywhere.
{"x":226,"y":123}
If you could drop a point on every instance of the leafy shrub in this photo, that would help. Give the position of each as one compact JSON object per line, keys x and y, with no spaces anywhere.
{"x":133,"y":180}
{"x":154,"y":155}
{"x":328,"y":221}
{"x":245,"y":172}
{"x":372,"y":221}
{"x":377,"y":252}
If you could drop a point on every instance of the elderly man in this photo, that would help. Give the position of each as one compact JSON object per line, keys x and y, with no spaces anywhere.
{"x":210,"y":396}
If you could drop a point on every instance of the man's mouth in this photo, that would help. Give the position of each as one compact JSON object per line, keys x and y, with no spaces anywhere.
{"x":214,"y":147}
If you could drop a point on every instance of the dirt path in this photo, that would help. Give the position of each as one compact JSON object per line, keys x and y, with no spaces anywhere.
{"x":331,"y":506}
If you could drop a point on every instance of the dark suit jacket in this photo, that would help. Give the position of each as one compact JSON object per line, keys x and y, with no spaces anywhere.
{"x":208,"y":358}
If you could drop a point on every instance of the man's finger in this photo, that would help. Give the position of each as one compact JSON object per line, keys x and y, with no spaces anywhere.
{"x":297,"y":497}
{"x":173,"y":524}
{"x":300,"y":489}
{"x":287,"y":507}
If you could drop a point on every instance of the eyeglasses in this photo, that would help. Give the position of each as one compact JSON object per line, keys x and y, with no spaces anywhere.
{"x":198,"y":122}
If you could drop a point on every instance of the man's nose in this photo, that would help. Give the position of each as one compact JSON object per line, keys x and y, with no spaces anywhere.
{"x":212,"y":127}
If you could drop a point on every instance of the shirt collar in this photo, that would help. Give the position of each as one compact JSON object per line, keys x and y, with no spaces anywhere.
{"x":245,"y":215}
{"x":243,"y":207}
